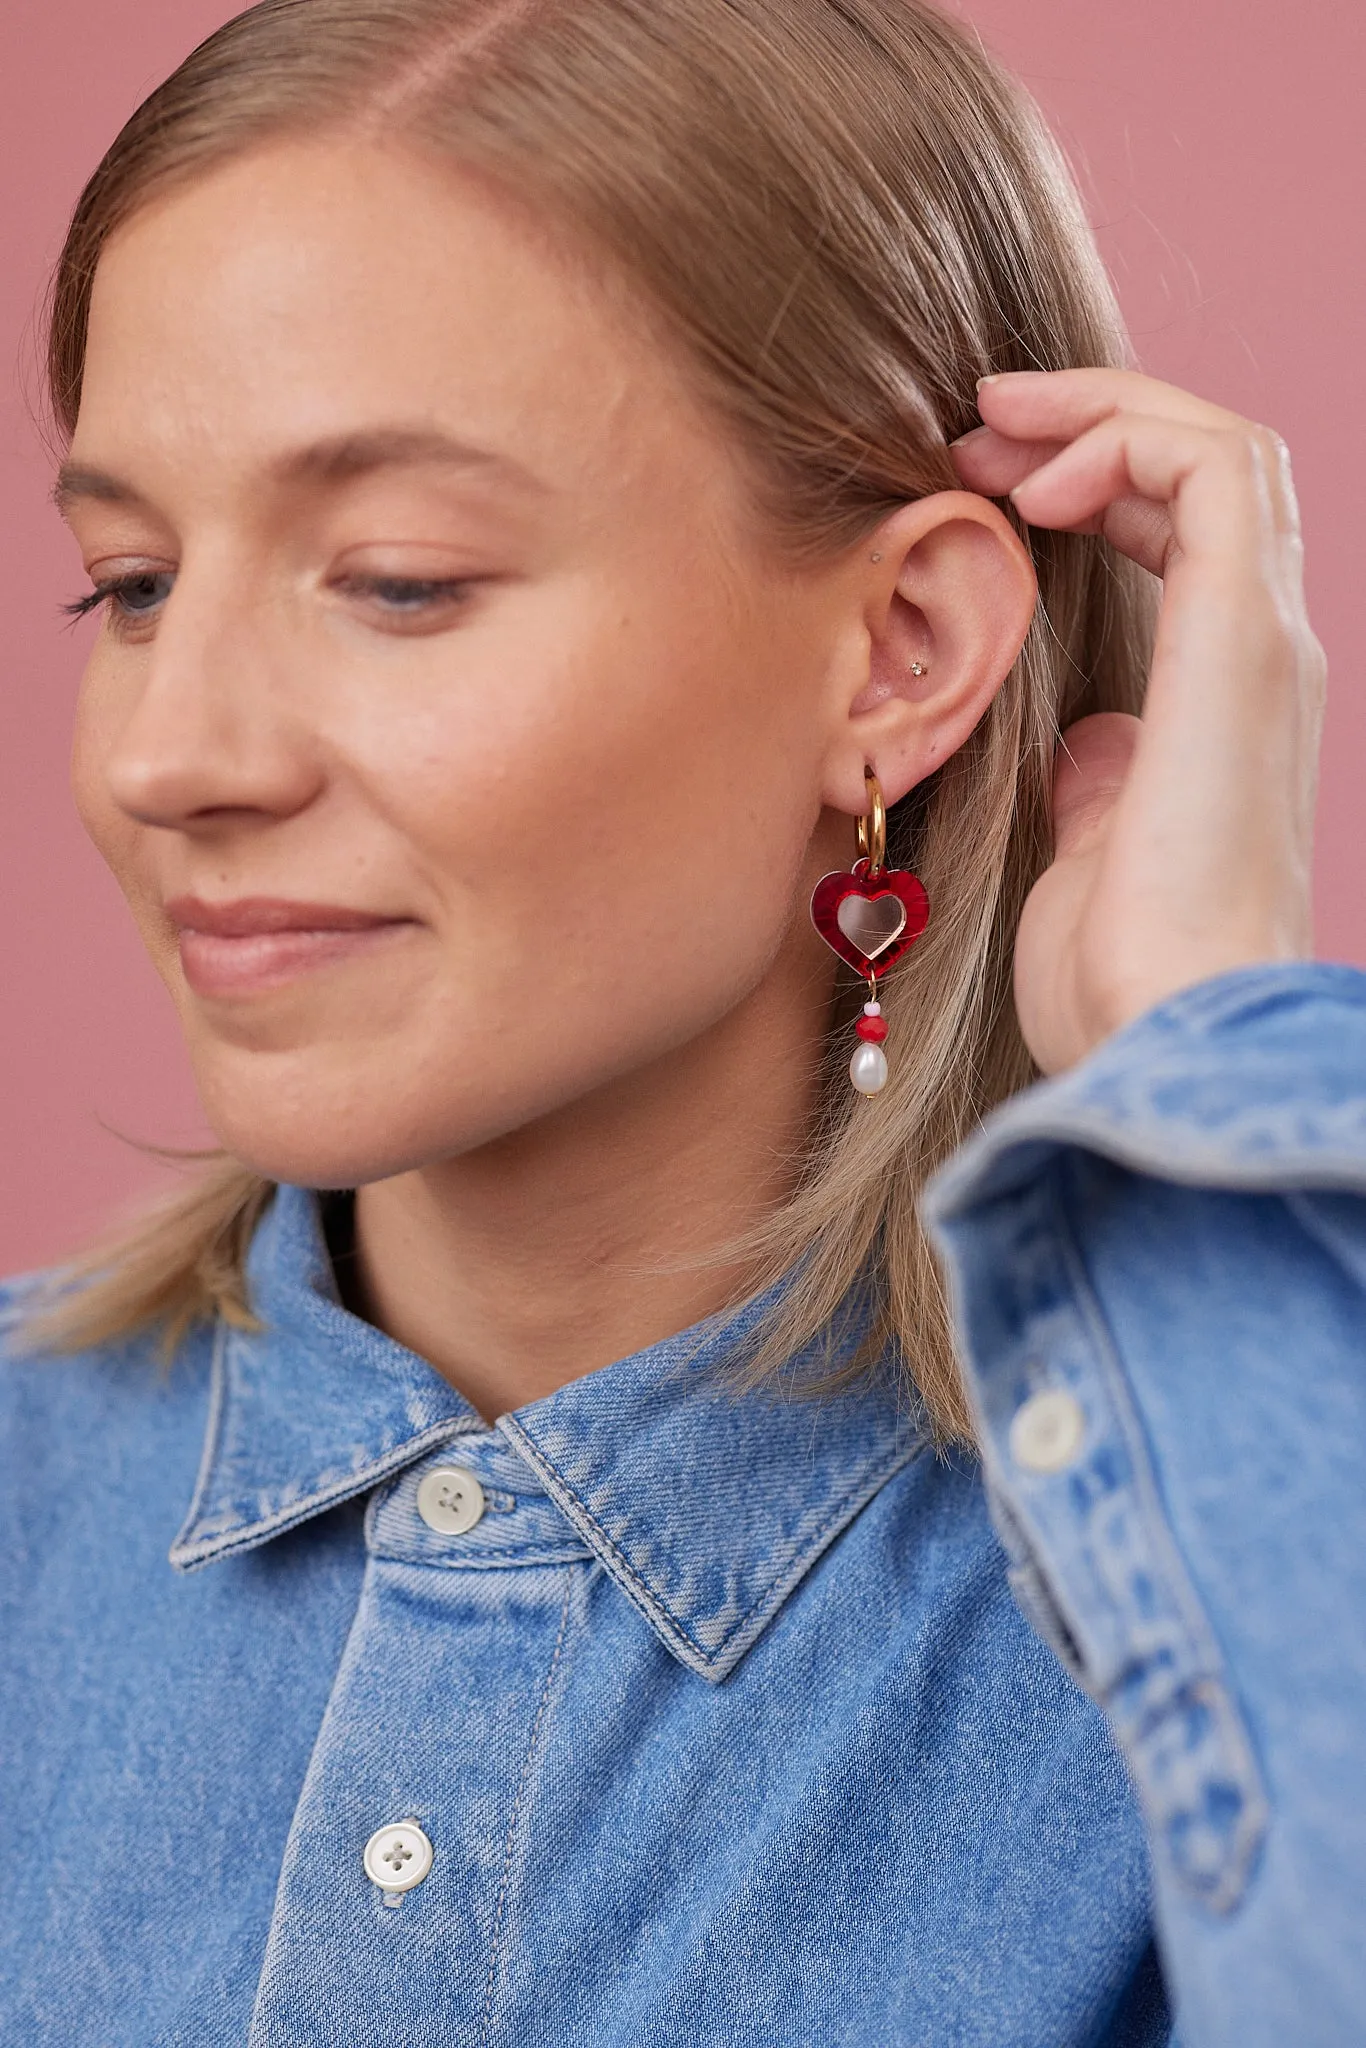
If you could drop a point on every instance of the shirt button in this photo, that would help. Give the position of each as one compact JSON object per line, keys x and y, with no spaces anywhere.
{"x":1047,"y":1431}
{"x":450,"y":1500}
{"x":398,"y":1857}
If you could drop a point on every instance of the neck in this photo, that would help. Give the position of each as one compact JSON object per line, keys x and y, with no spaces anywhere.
{"x":602,"y":1228}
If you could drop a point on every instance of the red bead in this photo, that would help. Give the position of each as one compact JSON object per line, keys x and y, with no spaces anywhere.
{"x":874,"y":1029}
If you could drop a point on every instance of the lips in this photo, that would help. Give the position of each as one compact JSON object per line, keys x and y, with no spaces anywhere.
{"x":260,"y":943}
{"x":251,"y":916}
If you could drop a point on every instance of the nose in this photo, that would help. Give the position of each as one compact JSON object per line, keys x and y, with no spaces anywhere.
{"x":207,"y":726}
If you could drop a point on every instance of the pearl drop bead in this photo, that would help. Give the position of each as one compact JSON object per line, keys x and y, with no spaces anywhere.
{"x":868,"y":1069}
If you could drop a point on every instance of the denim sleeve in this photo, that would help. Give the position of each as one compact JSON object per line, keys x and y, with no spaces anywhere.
{"x":1158,"y":1269}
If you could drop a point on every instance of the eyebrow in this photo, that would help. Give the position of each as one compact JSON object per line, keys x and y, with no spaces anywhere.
{"x":340,"y":459}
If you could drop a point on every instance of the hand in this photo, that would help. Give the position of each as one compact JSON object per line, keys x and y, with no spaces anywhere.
{"x":1182,"y":840}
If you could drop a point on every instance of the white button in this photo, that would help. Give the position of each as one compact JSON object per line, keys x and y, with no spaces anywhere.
{"x":398,"y":1857}
{"x":450,"y":1500}
{"x":1048,"y":1431}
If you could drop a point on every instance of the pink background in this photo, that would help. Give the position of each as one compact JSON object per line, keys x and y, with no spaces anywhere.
{"x":1218,"y":144}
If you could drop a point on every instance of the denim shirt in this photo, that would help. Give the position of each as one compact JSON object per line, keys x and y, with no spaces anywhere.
{"x":726,"y":1718}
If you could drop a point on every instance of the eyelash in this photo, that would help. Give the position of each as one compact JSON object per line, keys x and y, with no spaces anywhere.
{"x":399,"y":592}
{"x":103,"y":593}
{"x":425,"y":589}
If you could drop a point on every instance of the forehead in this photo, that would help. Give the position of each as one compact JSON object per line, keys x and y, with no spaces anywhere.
{"x":303,"y":293}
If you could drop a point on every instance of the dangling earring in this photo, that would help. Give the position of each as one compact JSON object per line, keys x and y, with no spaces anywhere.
{"x":870,"y":917}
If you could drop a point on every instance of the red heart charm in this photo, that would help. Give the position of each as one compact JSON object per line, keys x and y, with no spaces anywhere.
{"x":870,"y":920}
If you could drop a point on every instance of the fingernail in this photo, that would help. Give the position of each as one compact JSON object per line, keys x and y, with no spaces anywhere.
{"x":994,"y":378}
{"x":973,"y":434}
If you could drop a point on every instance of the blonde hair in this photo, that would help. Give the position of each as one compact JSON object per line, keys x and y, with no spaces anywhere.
{"x":845,"y":215}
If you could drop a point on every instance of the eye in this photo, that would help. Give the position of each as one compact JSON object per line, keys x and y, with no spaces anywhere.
{"x":411,"y":602}
{"x":410,"y":593}
{"x":129,"y":597}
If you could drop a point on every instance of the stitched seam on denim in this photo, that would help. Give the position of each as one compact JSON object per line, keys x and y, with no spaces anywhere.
{"x":553,"y":1553}
{"x":1208,"y":1677}
{"x":615,"y":1562}
{"x":1326,"y":1164}
{"x":1217,"y":1000}
{"x":510,"y":1844}
{"x":1035,"y":1598}
{"x":212,"y":1425}
{"x":248,"y":1534}
{"x":773,"y":1594}
{"x":325,"y":1487}
{"x":848,"y":1507}
{"x":275,"y":1957}
{"x":1155,"y":1524}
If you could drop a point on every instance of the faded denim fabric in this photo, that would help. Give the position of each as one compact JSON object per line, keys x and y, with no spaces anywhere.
{"x":722,"y":1720}
{"x":1175,"y":1233}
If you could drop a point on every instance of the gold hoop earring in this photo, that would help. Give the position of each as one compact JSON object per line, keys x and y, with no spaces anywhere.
{"x":871,"y":829}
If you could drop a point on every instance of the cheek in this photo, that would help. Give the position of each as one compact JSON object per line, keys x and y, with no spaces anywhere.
{"x":114,"y":834}
{"x":600,"y":816}
{"x":625,"y":829}
{"x":121,"y":842}
{"x":86,"y":749}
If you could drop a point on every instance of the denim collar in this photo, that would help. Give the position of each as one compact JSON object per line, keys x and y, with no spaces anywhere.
{"x":705,"y":1504}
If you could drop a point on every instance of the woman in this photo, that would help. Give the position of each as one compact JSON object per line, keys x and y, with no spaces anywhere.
{"x":536,"y":468}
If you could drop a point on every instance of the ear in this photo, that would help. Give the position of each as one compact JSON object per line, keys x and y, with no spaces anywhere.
{"x":944,"y":586}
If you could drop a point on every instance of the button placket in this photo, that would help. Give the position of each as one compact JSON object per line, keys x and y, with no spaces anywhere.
{"x":438,"y":1701}
{"x":1071,"y":1465}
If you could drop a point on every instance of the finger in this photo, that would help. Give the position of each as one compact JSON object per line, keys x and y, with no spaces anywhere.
{"x":1214,"y":483}
{"x":1034,"y":407}
{"x":1285,"y":497}
{"x":992,"y":464}
{"x":1057,"y":405}
{"x":995,"y":467}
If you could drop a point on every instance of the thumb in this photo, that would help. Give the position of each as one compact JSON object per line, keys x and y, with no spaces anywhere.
{"x":1092,"y":766}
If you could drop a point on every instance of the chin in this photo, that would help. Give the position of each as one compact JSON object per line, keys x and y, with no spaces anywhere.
{"x":314,"y":1137}
{"x":310,"y":1158}
{"x":345,"y":1113}
{"x":299,"y":1123}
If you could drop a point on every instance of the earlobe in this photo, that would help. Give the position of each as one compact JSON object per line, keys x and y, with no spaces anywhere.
{"x":947,"y":591}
